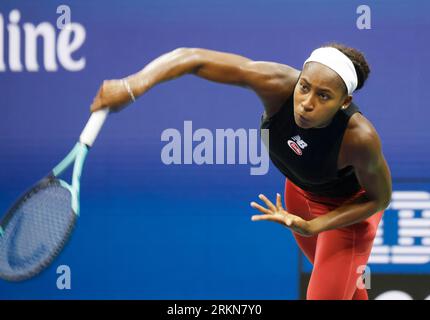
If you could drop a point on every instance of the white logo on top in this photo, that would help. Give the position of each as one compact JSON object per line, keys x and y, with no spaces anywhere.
{"x":297,"y":145}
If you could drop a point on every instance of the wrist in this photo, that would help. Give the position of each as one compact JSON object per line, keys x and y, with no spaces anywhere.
{"x":316,"y":226}
{"x":139,"y":84}
{"x":127,"y":87}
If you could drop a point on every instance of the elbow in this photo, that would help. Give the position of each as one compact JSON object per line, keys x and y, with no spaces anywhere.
{"x":387,"y":200}
{"x":384,"y":203}
{"x":191,"y":56}
{"x":180,"y":50}
{"x":380,"y":203}
{"x":185,"y":51}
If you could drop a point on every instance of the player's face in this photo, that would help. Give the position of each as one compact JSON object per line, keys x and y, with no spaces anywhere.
{"x":318,"y":95}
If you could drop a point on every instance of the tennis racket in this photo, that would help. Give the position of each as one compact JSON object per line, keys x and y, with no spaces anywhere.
{"x":36,"y":228}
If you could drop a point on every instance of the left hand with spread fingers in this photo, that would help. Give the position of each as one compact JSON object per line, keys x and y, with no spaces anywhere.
{"x":278,"y":214}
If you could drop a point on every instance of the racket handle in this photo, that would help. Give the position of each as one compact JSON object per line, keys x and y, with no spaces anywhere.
{"x":93,"y":127}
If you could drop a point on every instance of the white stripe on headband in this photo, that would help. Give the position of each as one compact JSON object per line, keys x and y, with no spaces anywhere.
{"x":338,"y":62}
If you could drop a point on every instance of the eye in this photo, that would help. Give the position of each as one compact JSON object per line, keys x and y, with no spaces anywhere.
{"x":324,"y":96}
{"x":303,"y":87}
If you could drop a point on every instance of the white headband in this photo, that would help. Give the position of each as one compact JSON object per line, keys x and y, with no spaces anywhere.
{"x":338,"y":62}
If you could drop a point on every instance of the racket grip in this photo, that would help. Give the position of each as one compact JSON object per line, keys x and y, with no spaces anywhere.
{"x":93,"y":127}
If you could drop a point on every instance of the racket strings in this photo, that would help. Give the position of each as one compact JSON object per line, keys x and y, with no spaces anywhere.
{"x":37,"y":229}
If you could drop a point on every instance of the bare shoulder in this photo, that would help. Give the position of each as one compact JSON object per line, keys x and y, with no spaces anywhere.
{"x":273,"y":82}
{"x":360,"y":130}
{"x":361,"y":141}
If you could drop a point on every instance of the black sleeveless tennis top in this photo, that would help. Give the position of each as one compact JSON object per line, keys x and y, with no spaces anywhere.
{"x":308,"y":157}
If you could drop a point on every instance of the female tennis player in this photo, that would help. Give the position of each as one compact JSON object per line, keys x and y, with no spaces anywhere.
{"x":337,"y":180}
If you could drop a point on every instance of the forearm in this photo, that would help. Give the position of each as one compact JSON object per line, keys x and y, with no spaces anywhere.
{"x":348,"y":214}
{"x":216,"y":66}
{"x":168,"y":66}
{"x":211,"y":65}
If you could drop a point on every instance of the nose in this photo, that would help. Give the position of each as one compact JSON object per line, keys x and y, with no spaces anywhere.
{"x":307,"y":103}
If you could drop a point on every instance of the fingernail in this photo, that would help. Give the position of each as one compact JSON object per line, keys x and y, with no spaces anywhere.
{"x":252,"y":203}
{"x":278,"y":194}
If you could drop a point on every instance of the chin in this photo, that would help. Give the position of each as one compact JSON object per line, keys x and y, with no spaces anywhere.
{"x":301,"y":124}
{"x":304,"y":126}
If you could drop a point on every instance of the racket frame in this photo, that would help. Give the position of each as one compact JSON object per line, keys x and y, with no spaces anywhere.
{"x":77,"y":156}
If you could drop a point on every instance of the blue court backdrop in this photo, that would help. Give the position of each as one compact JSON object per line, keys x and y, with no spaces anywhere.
{"x":153,"y":231}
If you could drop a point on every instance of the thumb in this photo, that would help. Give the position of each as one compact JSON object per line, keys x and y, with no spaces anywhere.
{"x":96,"y":105}
{"x":93,"y":108}
{"x":97,"y":102}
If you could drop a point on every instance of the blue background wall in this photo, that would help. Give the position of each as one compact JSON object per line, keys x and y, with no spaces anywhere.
{"x":151,"y":231}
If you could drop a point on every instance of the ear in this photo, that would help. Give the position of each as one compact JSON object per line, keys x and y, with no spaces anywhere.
{"x":346,"y":102}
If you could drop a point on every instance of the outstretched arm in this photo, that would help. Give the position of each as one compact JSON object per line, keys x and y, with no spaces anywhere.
{"x":273,"y":82}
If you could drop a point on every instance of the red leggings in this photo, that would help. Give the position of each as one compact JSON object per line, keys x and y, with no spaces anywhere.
{"x":336,"y":255}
